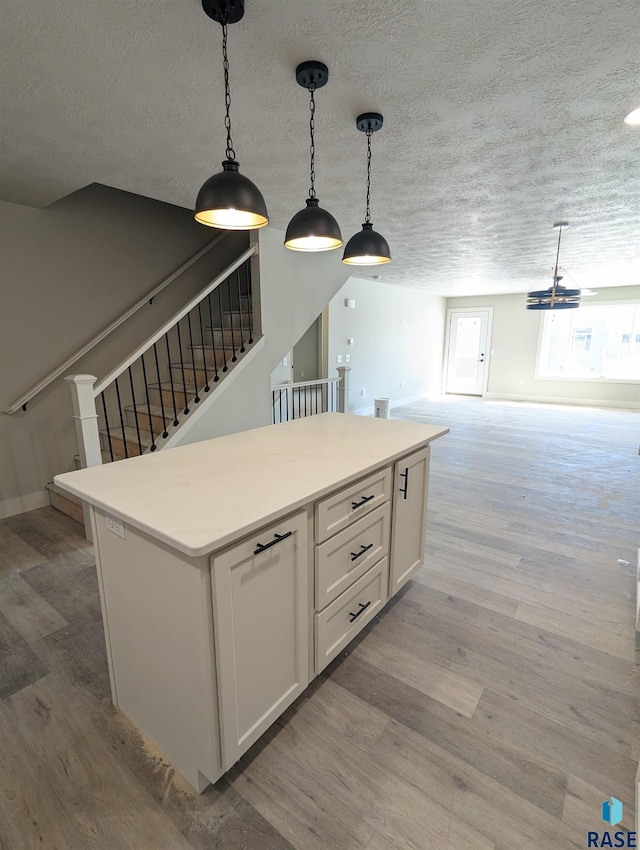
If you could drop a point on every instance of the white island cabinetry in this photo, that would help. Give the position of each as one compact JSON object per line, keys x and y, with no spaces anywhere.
{"x":232,"y":571}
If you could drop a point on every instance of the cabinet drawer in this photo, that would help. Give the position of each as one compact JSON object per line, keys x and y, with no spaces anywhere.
{"x":341,"y":621}
{"x":347,"y":505}
{"x":349,"y":554}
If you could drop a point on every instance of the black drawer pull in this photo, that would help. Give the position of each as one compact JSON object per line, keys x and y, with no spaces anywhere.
{"x":363,"y":607}
{"x":405,"y":475}
{"x":365,"y":499}
{"x":260,"y":547}
{"x":363,"y":549}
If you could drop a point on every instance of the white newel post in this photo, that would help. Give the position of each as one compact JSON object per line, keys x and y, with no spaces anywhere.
{"x":87,"y":433}
{"x":343,"y":388}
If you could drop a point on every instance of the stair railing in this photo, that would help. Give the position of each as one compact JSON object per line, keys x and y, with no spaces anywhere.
{"x":307,"y":398}
{"x":140,"y":402}
{"x":146,"y":299}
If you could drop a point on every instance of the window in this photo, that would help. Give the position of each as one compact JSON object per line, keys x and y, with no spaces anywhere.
{"x":591,"y":342}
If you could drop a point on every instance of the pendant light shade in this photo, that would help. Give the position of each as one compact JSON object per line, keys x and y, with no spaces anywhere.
{"x":312,"y":229}
{"x":229,"y":200}
{"x":556,"y":297}
{"x":367,"y":248}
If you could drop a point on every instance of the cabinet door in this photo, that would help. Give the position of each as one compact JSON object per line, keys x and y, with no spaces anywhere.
{"x":409,"y":519}
{"x":261,"y":630}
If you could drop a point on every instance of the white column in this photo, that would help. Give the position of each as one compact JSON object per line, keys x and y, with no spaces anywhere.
{"x":87,"y":434}
{"x":343,"y":388}
{"x":86,"y":418}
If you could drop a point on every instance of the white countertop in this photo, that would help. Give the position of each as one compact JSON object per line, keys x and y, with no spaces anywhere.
{"x":201,"y":497}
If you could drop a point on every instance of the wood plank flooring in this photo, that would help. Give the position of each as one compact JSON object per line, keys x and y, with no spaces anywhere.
{"x":492,"y":705}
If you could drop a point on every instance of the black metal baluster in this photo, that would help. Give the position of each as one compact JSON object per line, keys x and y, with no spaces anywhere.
{"x":204,"y":353}
{"x":287,"y":397}
{"x":224,"y":345}
{"x":280,"y":391}
{"x":165,"y":433}
{"x":146,"y":390}
{"x":216,"y":377}
{"x":135,"y":412}
{"x":184,"y":380}
{"x":318,"y":387}
{"x":247,"y":273}
{"x":193,"y":358}
{"x":106,"y":422}
{"x":173,"y":392}
{"x":305,"y":400}
{"x":242,"y":348}
{"x":233,"y":338}
{"x":124,"y":439}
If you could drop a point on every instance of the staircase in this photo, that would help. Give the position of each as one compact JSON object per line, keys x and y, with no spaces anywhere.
{"x":142,"y":402}
{"x":183,"y":382}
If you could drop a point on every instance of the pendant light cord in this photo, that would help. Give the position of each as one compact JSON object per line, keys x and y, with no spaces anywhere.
{"x":230,"y":153}
{"x":555,"y":272}
{"x":312,"y":148}
{"x":367,"y":217}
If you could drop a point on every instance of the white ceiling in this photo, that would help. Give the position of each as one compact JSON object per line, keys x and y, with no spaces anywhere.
{"x":501,"y":117}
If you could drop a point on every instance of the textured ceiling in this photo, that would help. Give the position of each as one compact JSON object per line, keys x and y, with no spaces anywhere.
{"x":501,"y":116}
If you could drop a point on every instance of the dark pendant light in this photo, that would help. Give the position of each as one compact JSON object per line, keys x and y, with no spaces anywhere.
{"x":556,"y":297}
{"x":229,"y":200}
{"x":367,"y":248}
{"x":312,"y":229}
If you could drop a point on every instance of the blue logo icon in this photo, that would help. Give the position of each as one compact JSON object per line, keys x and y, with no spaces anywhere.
{"x":612,"y":811}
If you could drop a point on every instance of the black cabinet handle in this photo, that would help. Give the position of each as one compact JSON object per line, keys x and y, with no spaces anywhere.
{"x":364,"y":500}
{"x":363,"y":607}
{"x":260,"y":547}
{"x":405,"y":475}
{"x":363,"y":549}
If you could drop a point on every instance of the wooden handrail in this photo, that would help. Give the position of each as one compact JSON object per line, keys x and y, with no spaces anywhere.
{"x":59,"y":370}
{"x":115,"y":373}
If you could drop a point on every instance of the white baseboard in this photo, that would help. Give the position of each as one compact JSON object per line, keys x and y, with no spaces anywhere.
{"x":395,"y":402}
{"x":11,"y":507}
{"x":543,"y":399}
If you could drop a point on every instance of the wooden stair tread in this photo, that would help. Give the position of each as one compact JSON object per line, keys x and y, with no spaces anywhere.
{"x":52,"y":487}
{"x":130,"y":434}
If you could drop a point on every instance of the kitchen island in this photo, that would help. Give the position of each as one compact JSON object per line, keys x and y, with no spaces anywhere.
{"x":232,"y":571}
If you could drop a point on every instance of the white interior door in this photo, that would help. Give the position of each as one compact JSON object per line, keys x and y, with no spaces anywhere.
{"x":467,"y":352}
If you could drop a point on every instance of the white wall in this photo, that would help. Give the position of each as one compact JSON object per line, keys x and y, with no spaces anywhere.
{"x":398,"y":336}
{"x":515,"y":343}
{"x":294,"y":289}
{"x":67,"y":271}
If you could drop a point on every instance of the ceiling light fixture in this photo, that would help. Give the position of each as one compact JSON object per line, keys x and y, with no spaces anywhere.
{"x":556,"y":297}
{"x":312,"y":228}
{"x":367,"y":248}
{"x":229,"y":200}
{"x":633,"y":118}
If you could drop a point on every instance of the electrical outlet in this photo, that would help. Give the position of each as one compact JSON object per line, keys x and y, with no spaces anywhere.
{"x":522,"y":380}
{"x":401,"y":384}
{"x":492,"y":352}
{"x":363,"y":391}
{"x":347,"y":358}
{"x":114,"y":526}
{"x":350,"y":340}
{"x":285,"y":361}
{"x":339,"y":358}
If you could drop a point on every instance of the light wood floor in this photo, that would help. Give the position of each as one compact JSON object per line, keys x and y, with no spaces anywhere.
{"x":493,"y":704}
